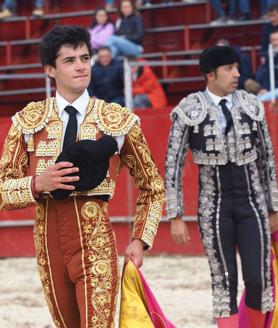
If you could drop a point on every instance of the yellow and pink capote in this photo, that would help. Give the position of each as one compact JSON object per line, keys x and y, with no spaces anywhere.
{"x":139,"y":308}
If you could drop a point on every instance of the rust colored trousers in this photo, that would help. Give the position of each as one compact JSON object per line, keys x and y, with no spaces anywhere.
{"x":77,"y":261}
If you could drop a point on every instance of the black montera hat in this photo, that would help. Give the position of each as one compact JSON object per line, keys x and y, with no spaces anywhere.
{"x":216,"y":56}
{"x":92,"y":159}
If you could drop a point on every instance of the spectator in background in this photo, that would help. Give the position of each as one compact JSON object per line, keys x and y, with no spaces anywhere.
{"x":265,"y":4}
{"x":129,"y":32}
{"x":101,"y":29}
{"x":107,"y":78}
{"x":109,"y":4}
{"x":9,"y":8}
{"x":263,"y":73}
{"x":146,"y":89}
{"x":272,"y":14}
{"x":246,"y":80}
{"x":219,"y":11}
{"x":244,"y":7}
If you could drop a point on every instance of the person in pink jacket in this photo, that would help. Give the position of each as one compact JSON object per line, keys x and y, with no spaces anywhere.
{"x":101,"y":29}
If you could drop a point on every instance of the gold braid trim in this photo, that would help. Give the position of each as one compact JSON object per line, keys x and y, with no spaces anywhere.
{"x":113,"y":119}
{"x":16,"y":193}
{"x":33,"y":117}
{"x":137,"y":157}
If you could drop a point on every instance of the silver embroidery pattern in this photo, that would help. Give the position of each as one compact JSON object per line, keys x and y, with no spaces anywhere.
{"x":175,"y":158}
{"x":267,"y":297}
{"x":208,"y":193}
{"x":266,"y":166}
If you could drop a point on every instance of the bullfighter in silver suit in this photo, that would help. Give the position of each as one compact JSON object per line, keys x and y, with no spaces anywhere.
{"x":226,"y":131}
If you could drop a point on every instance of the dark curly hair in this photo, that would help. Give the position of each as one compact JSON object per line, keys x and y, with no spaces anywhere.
{"x":58,"y":36}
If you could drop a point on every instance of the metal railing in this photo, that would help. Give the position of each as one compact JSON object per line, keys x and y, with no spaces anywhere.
{"x":152,"y":63}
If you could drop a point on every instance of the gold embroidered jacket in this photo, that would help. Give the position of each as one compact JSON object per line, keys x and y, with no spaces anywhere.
{"x":41,"y":123}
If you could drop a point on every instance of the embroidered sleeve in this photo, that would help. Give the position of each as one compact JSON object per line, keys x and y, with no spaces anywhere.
{"x":15,"y":186}
{"x":136,"y":155}
{"x":175,"y":157}
{"x":266,"y":164}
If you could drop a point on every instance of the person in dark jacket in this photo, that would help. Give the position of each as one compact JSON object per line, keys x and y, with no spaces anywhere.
{"x":272,"y":13}
{"x":128,"y":37}
{"x":107,"y":78}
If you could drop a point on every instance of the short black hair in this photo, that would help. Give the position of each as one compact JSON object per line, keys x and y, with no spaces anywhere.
{"x":58,"y":36}
{"x":216,"y":56}
{"x":273,"y":29}
{"x":272,"y":7}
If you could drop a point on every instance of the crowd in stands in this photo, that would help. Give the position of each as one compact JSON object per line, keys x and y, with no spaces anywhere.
{"x":113,"y":41}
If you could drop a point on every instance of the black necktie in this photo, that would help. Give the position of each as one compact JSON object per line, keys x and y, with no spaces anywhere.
{"x":228,"y":115}
{"x":71,"y":130}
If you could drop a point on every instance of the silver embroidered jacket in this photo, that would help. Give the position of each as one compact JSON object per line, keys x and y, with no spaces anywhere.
{"x":196,"y":125}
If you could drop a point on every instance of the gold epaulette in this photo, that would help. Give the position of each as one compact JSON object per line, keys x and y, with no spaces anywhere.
{"x":33,"y":117}
{"x":113,"y":119}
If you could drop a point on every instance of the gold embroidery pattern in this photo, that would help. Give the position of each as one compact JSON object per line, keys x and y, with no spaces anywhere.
{"x":137,"y":157}
{"x":54,"y":130}
{"x":15,"y":189}
{"x":34,"y":116}
{"x":103,"y":272}
{"x":42,"y":165}
{"x":40,"y":231}
{"x":113,"y":119}
{"x":48,"y":148}
{"x":88,"y":131}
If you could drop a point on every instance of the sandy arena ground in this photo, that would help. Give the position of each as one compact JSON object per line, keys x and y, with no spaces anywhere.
{"x":181,"y":285}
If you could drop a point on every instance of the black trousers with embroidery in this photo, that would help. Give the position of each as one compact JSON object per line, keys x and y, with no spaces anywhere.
{"x":233,"y":215}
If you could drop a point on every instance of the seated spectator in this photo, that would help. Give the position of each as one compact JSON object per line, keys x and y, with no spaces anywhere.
{"x":9,"y":8}
{"x":101,"y":29}
{"x":146,"y":89}
{"x":264,"y":6}
{"x":109,"y":4}
{"x":246,"y":79}
{"x":263,"y":73}
{"x":107,"y":78}
{"x":129,"y":32}
{"x":244,"y":7}
{"x":219,"y":11}
{"x":272,"y":14}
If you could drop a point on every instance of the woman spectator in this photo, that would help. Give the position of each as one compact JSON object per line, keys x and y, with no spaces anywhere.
{"x":101,"y":29}
{"x":129,"y":32}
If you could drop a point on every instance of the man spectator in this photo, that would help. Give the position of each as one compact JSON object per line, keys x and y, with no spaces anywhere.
{"x":107,"y":78}
{"x":272,"y":14}
{"x":146,"y":89}
{"x":263,"y":73}
{"x":9,"y":8}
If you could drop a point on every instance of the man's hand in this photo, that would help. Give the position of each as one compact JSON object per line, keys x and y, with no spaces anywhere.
{"x":54,"y":177}
{"x":273,"y":221}
{"x":135,"y":252}
{"x":179,"y":231}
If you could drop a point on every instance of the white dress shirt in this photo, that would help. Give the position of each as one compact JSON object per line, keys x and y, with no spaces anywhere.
{"x":216,"y":100}
{"x":80,"y":104}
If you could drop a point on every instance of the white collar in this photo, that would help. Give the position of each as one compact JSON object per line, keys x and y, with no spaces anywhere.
{"x":216,"y":99}
{"x":80,"y":104}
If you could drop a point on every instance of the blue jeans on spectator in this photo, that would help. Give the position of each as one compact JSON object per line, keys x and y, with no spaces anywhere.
{"x":244,"y":6}
{"x":216,"y":4}
{"x":109,"y":2}
{"x":122,"y":47}
{"x":141,"y":101}
{"x":265,"y":4}
{"x":11,"y":4}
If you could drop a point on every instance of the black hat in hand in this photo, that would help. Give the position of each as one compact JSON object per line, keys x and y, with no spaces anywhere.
{"x":92,"y":159}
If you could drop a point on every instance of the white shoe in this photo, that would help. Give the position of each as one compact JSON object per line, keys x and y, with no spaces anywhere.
{"x":37,"y":12}
{"x":6,"y":13}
